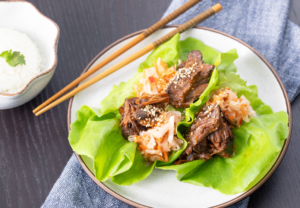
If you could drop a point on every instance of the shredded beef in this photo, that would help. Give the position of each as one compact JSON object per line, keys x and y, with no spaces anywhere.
{"x":209,"y":135}
{"x":137,"y":113}
{"x":190,"y":81}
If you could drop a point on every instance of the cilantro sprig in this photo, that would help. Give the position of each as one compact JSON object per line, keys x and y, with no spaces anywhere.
{"x":13,"y":58}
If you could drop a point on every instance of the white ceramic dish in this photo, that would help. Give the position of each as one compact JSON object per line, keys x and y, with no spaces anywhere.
{"x":24,"y":17}
{"x":161,"y":189}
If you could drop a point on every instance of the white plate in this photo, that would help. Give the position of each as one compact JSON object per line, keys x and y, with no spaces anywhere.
{"x":161,"y":189}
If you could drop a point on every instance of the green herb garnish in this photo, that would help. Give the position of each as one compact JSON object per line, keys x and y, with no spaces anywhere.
{"x":13,"y":58}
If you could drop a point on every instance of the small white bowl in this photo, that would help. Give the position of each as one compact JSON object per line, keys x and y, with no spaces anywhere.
{"x":26,"y":18}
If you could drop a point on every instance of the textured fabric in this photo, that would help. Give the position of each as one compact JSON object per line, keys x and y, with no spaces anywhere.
{"x":74,"y":188}
{"x":263,"y":25}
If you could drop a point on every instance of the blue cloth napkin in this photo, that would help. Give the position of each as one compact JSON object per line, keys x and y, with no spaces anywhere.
{"x":264,"y":25}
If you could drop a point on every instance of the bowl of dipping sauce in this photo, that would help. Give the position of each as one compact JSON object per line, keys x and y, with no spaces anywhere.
{"x":28,"y":52}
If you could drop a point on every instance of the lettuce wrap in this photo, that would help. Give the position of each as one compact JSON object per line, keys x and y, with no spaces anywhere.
{"x":97,"y":137}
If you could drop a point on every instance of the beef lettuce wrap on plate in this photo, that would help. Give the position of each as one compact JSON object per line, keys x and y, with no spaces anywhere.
{"x":186,"y":109}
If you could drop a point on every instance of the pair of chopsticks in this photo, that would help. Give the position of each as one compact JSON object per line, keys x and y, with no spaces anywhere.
{"x":191,"y":23}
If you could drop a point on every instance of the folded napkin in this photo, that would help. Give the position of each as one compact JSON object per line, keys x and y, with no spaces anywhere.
{"x":264,"y":25}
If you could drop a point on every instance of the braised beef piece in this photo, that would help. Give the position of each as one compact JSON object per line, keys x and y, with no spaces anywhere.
{"x":181,"y":65}
{"x":228,"y":152}
{"x":146,"y":99}
{"x":206,"y":122}
{"x":190,"y":81}
{"x":145,"y":116}
{"x":195,"y":94}
{"x":221,"y":138}
{"x":130,"y":125}
{"x":209,"y":135}
{"x":137,"y":114}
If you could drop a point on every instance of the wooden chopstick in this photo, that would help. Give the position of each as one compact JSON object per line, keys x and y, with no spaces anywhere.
{"x":191,"y":23}
{"x":129,"y":45}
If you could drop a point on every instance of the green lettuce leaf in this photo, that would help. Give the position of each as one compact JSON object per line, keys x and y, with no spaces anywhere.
{"x":210,"y":55}
{"x":138,"y":171}
{"x":100,"y":139}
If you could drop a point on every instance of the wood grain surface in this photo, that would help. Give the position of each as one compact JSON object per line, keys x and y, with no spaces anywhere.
{"x":34,"y":150}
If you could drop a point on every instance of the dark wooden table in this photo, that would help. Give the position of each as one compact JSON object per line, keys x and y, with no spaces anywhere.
{"x":34,"y":150}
